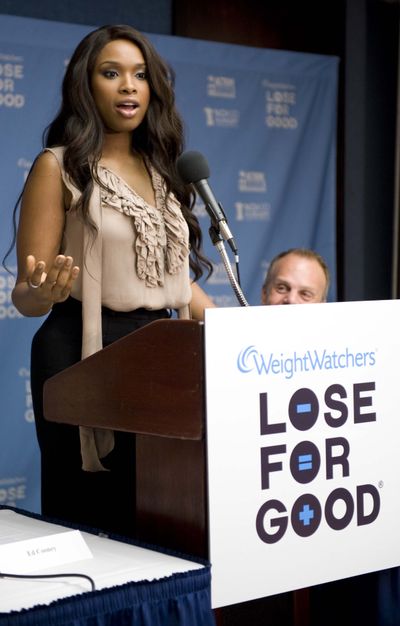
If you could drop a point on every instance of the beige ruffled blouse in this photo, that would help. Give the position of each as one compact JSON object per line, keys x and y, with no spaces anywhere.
{"x":139,"y":259}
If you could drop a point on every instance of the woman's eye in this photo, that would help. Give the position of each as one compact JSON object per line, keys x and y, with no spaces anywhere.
{"x":141,"y":75}
{"x":110,"y":74}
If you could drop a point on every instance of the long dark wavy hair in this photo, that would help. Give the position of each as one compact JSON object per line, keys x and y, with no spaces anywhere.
{"x":159,"y":138}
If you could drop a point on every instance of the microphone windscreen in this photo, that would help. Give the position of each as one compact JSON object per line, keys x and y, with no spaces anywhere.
{"x":192,"y":167}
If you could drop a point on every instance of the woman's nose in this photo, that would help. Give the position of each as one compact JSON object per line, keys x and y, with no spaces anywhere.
{"x":128,"y":86}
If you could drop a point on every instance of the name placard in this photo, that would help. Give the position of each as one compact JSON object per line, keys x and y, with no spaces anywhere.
{"x":30,"y":555}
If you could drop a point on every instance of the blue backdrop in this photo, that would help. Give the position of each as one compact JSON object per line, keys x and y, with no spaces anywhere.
{"x":264,"y":119}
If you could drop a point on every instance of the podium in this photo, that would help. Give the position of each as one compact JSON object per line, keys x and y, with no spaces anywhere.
{"x":281,"y":367}
{"x":150,"y":383}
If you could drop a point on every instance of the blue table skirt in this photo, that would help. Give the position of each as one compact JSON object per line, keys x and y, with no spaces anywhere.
{"x":183,"y":599}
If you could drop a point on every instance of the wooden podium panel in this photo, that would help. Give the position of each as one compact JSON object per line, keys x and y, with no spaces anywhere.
{"x":149,"y":382}
{"x":171,"y":493}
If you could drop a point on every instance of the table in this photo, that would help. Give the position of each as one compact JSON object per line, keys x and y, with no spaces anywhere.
{"x":135,"y":583}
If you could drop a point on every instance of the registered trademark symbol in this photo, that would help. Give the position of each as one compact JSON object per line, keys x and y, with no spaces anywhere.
{"x":380,"y":484}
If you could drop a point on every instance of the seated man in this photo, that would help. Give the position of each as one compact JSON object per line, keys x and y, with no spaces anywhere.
{"x":296,"y":276}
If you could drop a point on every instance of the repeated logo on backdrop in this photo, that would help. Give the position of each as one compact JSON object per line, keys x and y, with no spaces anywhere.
{"x":221,"y":87}
{"x":7,"y":281}
{"x":11,"y":74}
{"x":280,"y":105}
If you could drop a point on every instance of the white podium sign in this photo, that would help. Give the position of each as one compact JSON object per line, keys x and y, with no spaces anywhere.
{"x":303,"y":438}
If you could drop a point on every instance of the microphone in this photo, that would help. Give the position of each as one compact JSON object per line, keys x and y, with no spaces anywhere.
{"x":193,"y":169}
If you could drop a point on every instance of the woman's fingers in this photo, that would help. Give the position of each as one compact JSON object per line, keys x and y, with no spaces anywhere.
{"x":34,"y":272}
{"x":59,"y":278}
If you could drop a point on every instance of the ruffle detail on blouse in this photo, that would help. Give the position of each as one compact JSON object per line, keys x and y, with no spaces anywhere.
{"x":160,"y":243}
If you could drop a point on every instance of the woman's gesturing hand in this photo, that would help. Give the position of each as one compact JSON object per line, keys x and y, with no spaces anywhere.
{"x":55,"y":284}
{"x":39,"y":287}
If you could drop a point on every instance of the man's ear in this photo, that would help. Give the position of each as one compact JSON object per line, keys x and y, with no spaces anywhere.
{"x":263,"y":295}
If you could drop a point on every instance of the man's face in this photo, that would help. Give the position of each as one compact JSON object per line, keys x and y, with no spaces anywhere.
{"x":295,"y":280}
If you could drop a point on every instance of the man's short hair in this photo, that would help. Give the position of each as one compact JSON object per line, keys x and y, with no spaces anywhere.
{"x":306,"y":253}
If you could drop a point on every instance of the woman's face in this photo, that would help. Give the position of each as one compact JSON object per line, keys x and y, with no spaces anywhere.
{"x":119,"y":86}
